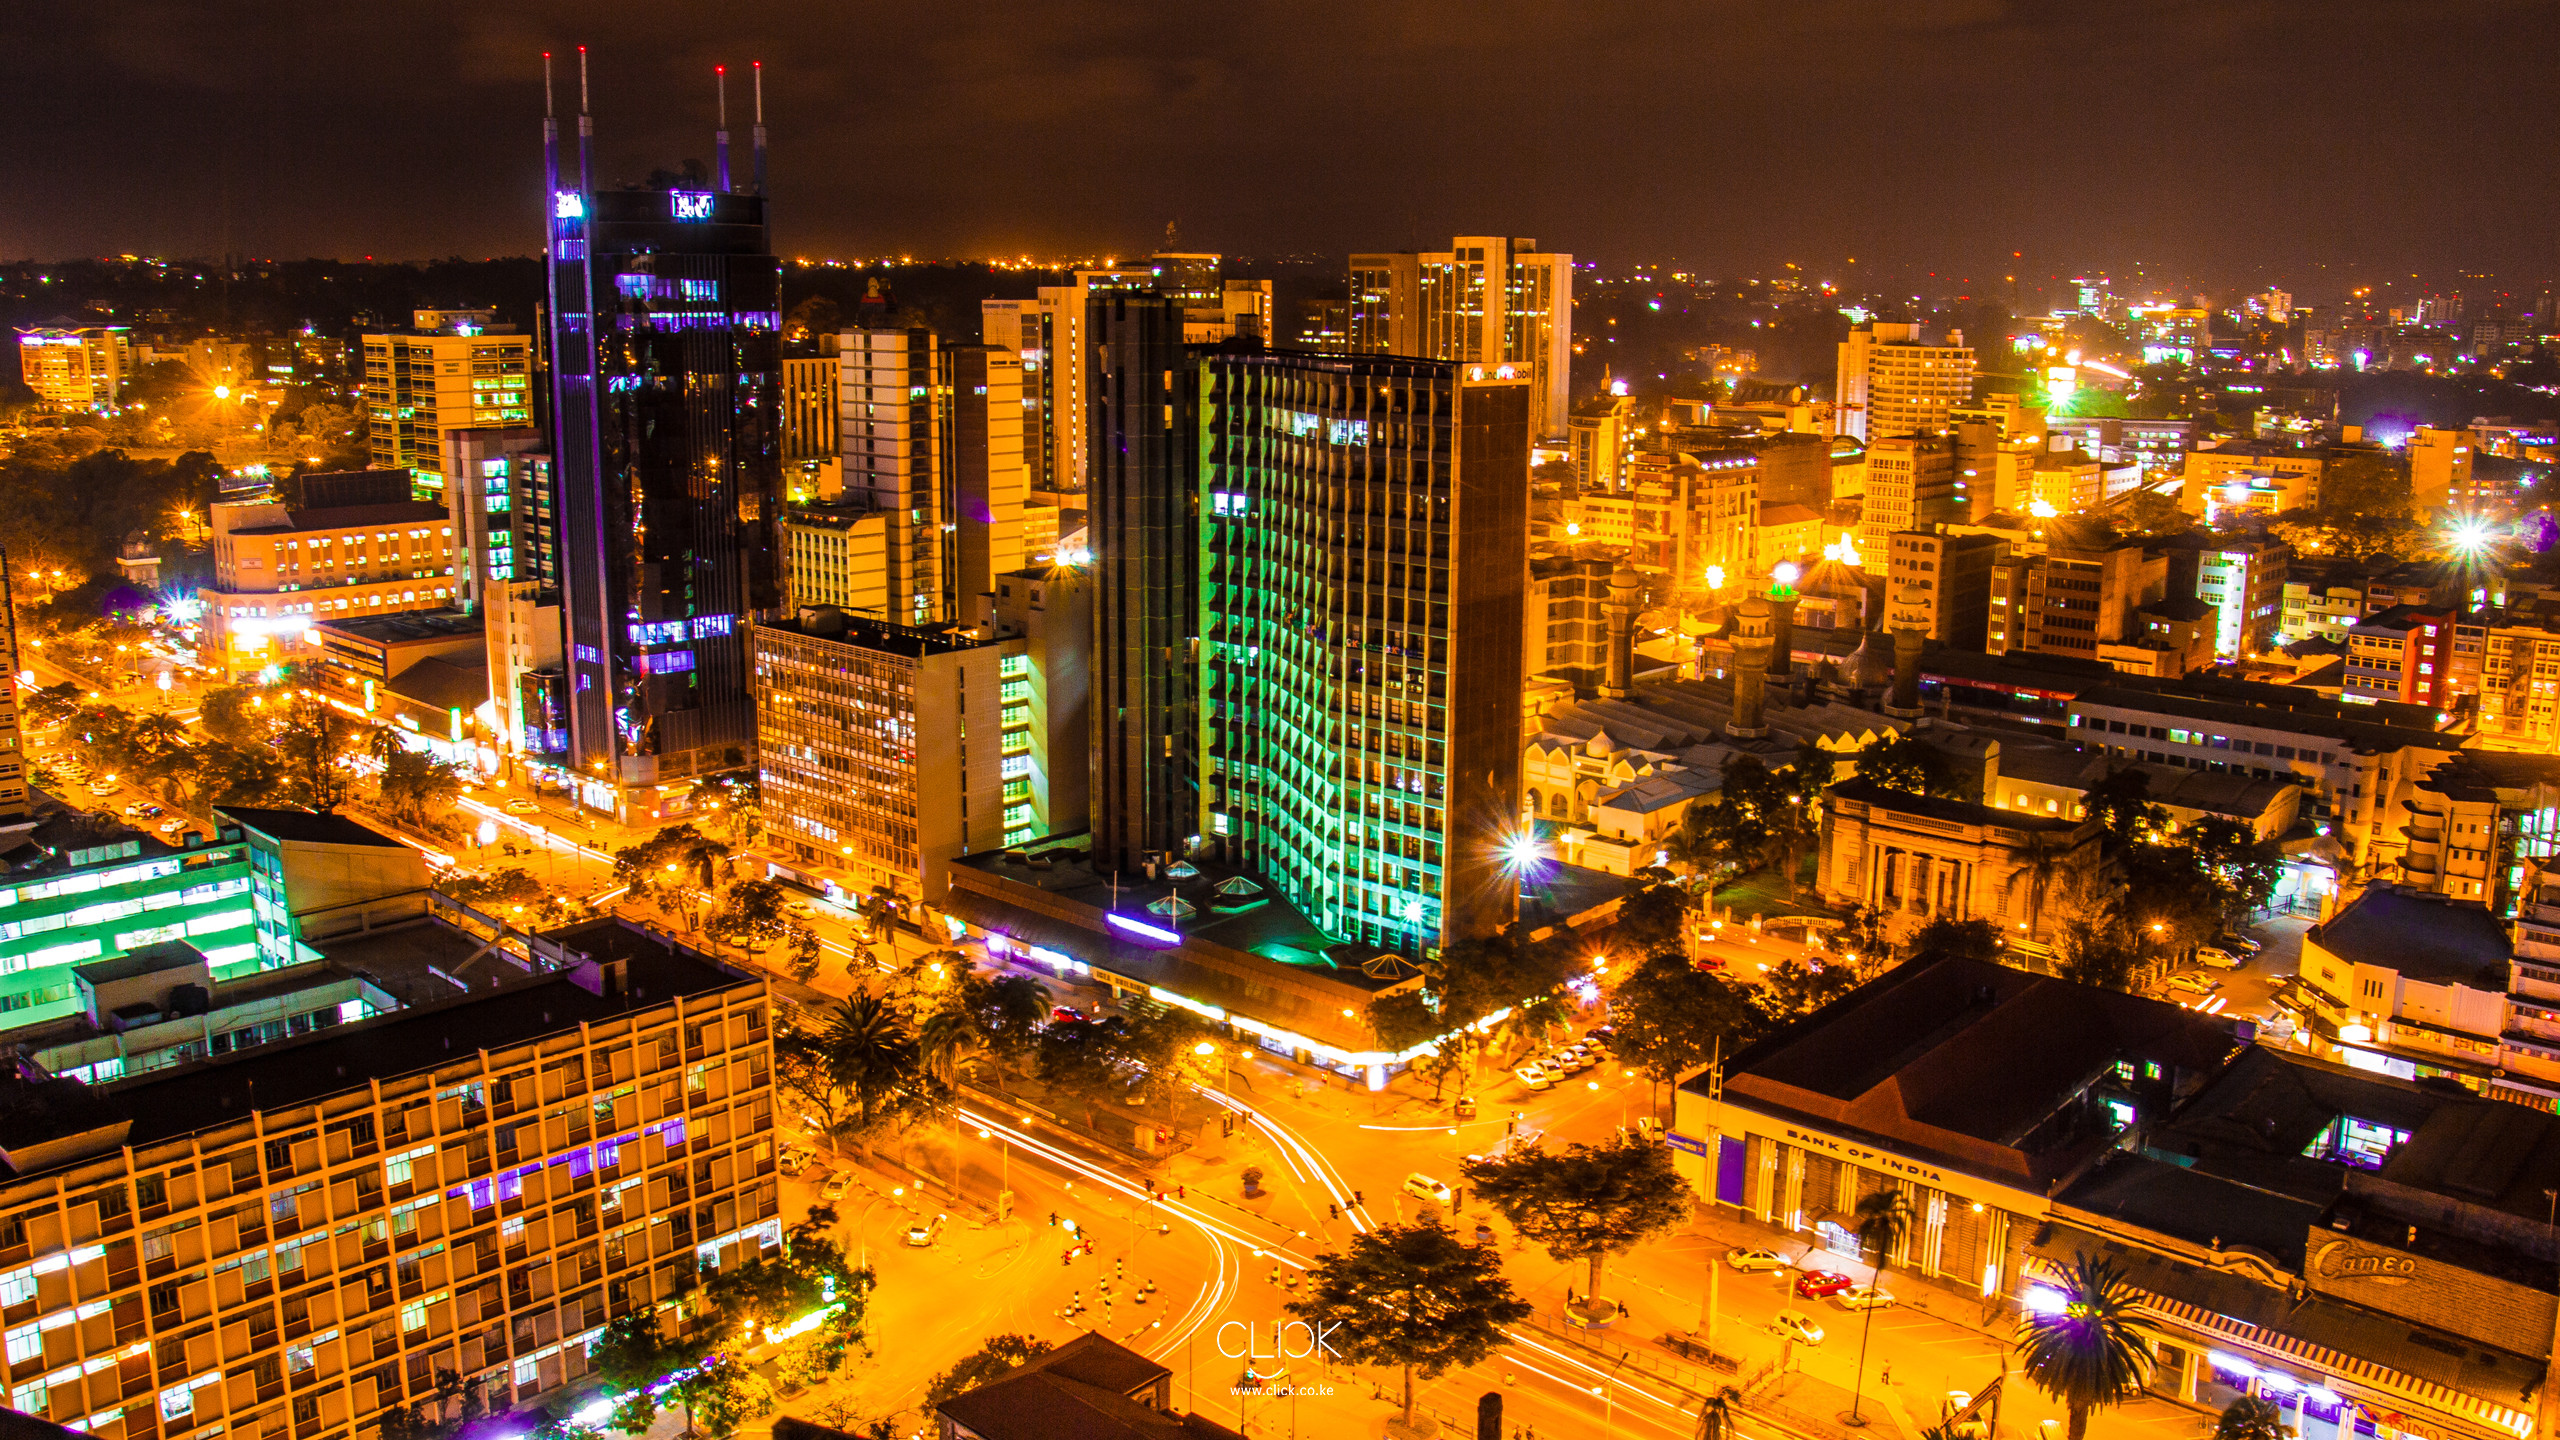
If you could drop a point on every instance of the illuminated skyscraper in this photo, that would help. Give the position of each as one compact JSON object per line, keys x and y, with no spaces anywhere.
{"x":1487,"y":300}
{"x":665,"y":314}
{"x":1364,"y":560}
{"x":1891,"y":383}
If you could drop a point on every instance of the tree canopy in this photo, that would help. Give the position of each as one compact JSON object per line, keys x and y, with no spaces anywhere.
{"x":1411,"y":1296}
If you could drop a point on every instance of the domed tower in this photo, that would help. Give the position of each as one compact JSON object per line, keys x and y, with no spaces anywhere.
{"x":1753,"y":638}
{"x":1909,"y":618}
{"x":1625,"y":598}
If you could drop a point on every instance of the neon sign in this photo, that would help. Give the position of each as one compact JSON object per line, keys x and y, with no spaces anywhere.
{"x":689,"y":204}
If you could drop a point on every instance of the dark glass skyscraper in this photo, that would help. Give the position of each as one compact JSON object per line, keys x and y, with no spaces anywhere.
{"x":665,"y":349}
{"x":1144,"y":452}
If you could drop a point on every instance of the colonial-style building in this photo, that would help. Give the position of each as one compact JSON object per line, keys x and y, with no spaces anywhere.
{"x":1917,"y":858}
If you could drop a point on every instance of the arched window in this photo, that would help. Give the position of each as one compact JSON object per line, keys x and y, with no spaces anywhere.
{"x":1563,"y":810}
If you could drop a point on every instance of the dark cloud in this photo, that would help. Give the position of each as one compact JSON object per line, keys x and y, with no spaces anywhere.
{"x":2237,"y":139}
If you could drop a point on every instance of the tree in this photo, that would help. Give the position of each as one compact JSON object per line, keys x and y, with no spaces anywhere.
{"x":2243,"y":867}
{"x":1011,"y":1010}
{"x":1411,"y":1296}
{"x":2120,"y":804}
{"x":1001,"y":1355}
{"x":2040,"y":859}
{"x":1883,"y":1219}
{"x":1946,"y":938}
{"x":1797,"y":986}
{"x":1909,"y":765}
{"x":2154,"y":512}
{"x":752,"y":913}
{"x":311,"y":739}
{"x":2088,"y":1352}
{"x":1585,"y":1202}
{"x":871,"y":1055}
{"x":52,"y":704}
{"x":1672,"y":1017}
{"x":2251,"y":1417}
{"x":416,"y":786}
{"x":633,"y":1354}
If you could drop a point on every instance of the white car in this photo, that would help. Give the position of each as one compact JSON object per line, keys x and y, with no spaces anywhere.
{"x":1535,"y":1077}
{"x":1748,"y":1261}
{"x":172,"y":825}
{"x":920,"y":1234}
{"x":2191,"y":985}
{"x":521,"y":807}
{"x":1423,"y":1187}
{"x":2217,"y":958}
{"x":836,"y":1185}
{"x":1797,"y":1326}
{"x":1864,"y":1297}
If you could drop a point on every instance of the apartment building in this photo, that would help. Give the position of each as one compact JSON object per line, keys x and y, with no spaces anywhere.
{"x":2250,"y":477}
{"x":1566,"y":634}
{"x":81,"y":369}
{"x":286,"y":1241}
{"x":2321,"y":599}
{"x":838,"y":556}
{"x":2439,"y":468}
{"x":451,"y":370}
{"x":2403,"y":653}
{"x":2243,"y":581}
{"x":1490,"y":301}
{"x":2519,"y":684}
{"x":278,"y":572}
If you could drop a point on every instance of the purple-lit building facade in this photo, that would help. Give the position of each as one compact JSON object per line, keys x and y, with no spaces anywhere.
{"x":666,"y":368}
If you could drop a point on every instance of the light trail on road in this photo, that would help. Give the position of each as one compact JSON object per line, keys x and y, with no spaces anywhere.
{"x":1289,"y":1143}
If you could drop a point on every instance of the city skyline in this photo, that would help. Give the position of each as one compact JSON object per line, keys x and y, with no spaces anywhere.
{"x":1259,"y":136}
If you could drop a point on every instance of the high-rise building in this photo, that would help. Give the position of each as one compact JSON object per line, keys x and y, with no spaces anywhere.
{"x":664,"y":307}
{"x":1364,"y":566}
{"x":2439,"y":468}
{"x":497,"y":492}
{"x":1892,"y":382}
{"x":1911,"y":485}
{"x":2074,"y":601}
{"x":839,"y":557}
{"x":1029,"y":328}
{"x":1945,"y":580}
{"x":451,"y":370}
{"x":1487,"y":300}
{"x":881,"y":746}
{"x":1044,"y":618}
{"x":81,"y":369}
{"x":933,"y":447}
{"x":1144,"y":519}
{"x":893,"y":462}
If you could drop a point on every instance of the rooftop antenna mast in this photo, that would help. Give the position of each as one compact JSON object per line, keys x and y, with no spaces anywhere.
{"x":720,"y":137}
{"x":759,"y":130}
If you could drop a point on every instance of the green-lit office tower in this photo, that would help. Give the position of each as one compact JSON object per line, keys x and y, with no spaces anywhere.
{"x":1144,"y":454}
{"x":1364,"y":531}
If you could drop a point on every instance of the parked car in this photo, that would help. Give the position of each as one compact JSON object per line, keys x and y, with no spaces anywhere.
{"x":2191,"y":984}
{"x":173,"y":825}
{"x":836,"y":1185}
{"x":2240,"y":944}
{"x":1748,"y":1261}
{"x":133,"y":811}
{"x":922,"y":1233}
{"x":1061,"y":1014}
{"x":1864,"y":1297}
{"x":1818,"y":1284}
{"x":2216,"y":958}
{"x":1423,"y":1187}
{"x":1535,"y":1077}
{"x":1797,"y":1326}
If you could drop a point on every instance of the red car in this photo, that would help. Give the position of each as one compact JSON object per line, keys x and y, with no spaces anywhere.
{"x":1061,"y":1014}
{"x":1821,"y":1284}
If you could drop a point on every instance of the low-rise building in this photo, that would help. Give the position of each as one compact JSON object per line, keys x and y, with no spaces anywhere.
{"x":1915,"y":859}
{"x":2321,"y":599}
{"x":279,"y":572}
{"x":1087,"y":1389}
{"x":2410,"y":982}
{"x":2403,"y":653}
{"x":1953,"y":575}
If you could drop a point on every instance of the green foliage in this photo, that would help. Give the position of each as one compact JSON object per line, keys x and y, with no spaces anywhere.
{"x":1945,"y":937}
{"x":2120,"y":803}
{"x":2250,"y":1417}
{"x":1797,"y":986}
{"x":679,"y":845}
{"x":2090,"y":1353}
{"x":1909,"y":765}
{"x":1001,"y":1355}
{"x":2154,"y":513}
{"x":1585,"y":1202}
{"x":753,"y":914}
{"x":73,"y":514}
{"x":313,"y":739}
{"x":414,"y":785}
{"x":1672,"y":1017}
{"x":1410,"y":1296}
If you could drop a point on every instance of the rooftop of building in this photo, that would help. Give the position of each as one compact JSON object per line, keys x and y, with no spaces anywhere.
{"x":1081,"y":1390}
{"x":836,"y":626}
{"x":1969,"y":1063}
{"x":408,"y":627}
{"x":177,"y":1101}
{"x":303,"y":827}
{"x":2181,"y":607}
{"x":1946,"y":811}
{"x":2293,"y":708}
{"x":1774,"y":515}
{"x":2492,"y":776}
{"x":353,"y":517}
{"x":2402,"y":618}
{"x":2420,"y":934}
{"x":57,"y":838}
{"x":2262,"y":449}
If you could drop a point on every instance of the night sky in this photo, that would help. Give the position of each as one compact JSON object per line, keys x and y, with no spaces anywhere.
{"x":2221,"y":142}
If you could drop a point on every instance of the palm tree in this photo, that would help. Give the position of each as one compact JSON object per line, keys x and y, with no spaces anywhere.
{"x":2088,"y":1352}
{"x":1884,"y":1218}
{"x":870,"y":1052}
{"x":2040,"y":860}
{"x":2251,"y":1417}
